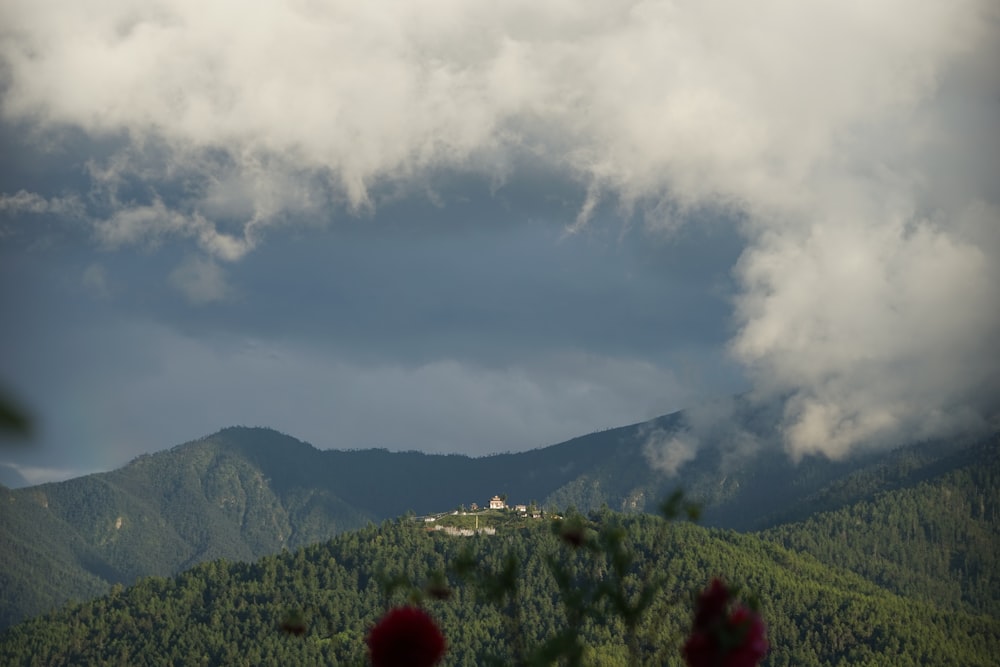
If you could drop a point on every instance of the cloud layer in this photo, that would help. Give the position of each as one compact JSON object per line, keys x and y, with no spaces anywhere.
{"x":855,"y":142}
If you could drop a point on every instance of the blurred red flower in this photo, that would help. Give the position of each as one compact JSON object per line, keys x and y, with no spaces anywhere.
{"x":721,"y":639}
{"x":405,"y":636}
{"x":711,"y":604}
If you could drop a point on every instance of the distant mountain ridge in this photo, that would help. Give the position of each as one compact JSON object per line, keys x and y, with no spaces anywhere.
{"x":11,"y":477}
{"x":245,"y":492}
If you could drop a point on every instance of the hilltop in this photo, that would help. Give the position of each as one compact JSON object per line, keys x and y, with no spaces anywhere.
{"x":242,"y":493}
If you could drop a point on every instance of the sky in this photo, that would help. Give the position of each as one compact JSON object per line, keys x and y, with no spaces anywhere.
{"x":470,"y":226}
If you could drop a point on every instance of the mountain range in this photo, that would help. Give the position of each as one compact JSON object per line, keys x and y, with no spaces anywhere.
{"x":242,"y":493}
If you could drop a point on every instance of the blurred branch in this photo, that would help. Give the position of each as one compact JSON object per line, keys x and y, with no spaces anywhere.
{"x":14,"y":420}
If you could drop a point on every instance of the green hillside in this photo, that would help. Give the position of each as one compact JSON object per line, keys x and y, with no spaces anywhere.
{"x":160,"y":515}
{"x":243,"y":493}
{"x":227,"y":613}
{"x":938,"y":540}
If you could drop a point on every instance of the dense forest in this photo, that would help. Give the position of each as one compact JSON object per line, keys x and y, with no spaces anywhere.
{"x":230,"y":613}
{"x":938,"y":540}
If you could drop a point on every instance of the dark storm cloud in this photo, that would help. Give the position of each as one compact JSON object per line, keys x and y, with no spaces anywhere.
{"x":854,"y":150}
{"x":463,"y":327}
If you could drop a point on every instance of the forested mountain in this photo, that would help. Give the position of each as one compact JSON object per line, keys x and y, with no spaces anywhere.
{"x":938,"y":540}
{"x":228,"y":613}
{"x":246,"y":492}
{"x":239,"y":494}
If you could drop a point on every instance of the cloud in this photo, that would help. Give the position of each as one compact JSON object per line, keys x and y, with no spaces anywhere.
{"x":874,"y":330}
{"x":96,"y":281}
{"x":200,"y":280}
{"x":667,"y":452}
{"x":698,"y":100}
{"x":328,"y":399}
{"x":734,"y":426}
{"x":133,"y":223}
{"x":24,"y":202}
{"x":853,"y":141}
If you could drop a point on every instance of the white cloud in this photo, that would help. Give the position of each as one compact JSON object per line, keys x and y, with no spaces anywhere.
{"x":23,"y":201}
{"x":667,"y":452}
{"x":824,"y":125}
{"x":699,"y":98}
{"x":735,"y":427}
{"x":877,"y":329}
{"x":134,"y":223}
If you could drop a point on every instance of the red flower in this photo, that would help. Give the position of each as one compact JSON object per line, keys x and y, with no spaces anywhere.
{"x":721,"y":639}
{"x":405,"y":636}
{"x":711,"y":604}
{"x":753,"y":641}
